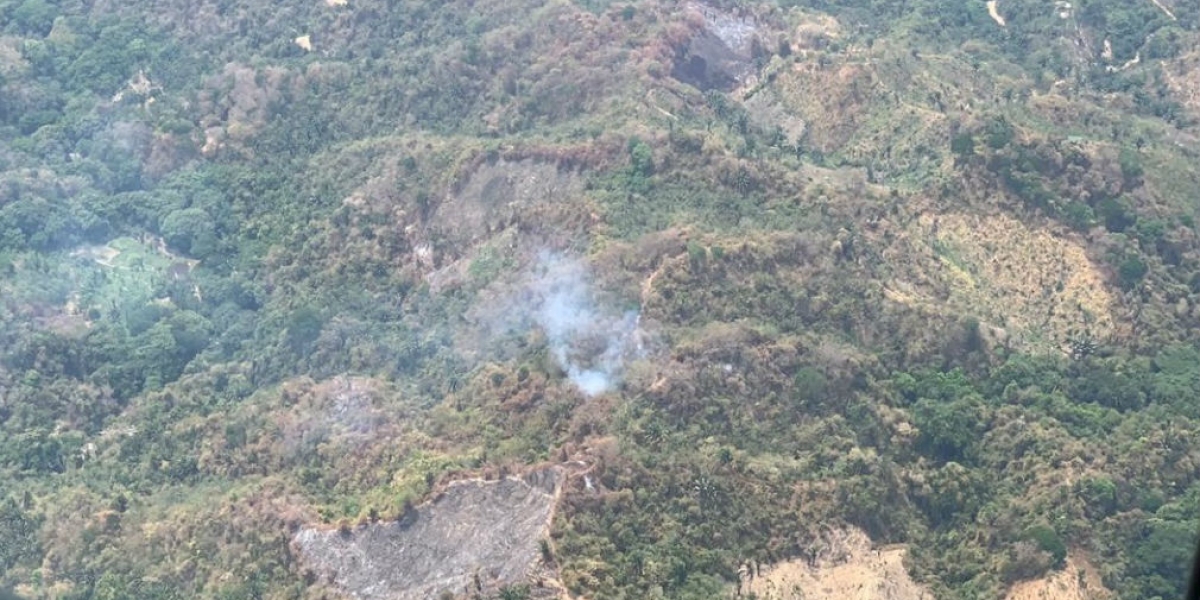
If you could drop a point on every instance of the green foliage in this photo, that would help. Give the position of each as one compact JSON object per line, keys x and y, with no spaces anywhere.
{"x":1131,"y":270}
{"x":1117,"y":214}
{"x":19,"y":542}
{"x":641,"y":158}
{"x":40,"y":221}
{"x":514,"y":593}
{"x":999,"y":133}
{"x":190,"y":230}
{"x":810,"y":385}
{"x":34,"y":17}
{"x":1048,"y":540}
{"x":963,"y":146}
{"x":1132,"y":169}
{"x":1099,"y":495}
{"x":304,"y":325}
{"x":1126,"y":25}
{"x":191,"y":333}
{"x":1079,"y":216}
{"x":1161,"y":559}
{"x":949,"y":429}
{"x":1110,"y":382}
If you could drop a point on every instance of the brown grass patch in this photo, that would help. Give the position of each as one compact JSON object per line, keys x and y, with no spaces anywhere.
{"x":1182,"y":77}
{"x":1038,"y":288}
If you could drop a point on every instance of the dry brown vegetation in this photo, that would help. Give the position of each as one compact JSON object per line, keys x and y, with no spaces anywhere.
{"x":1035,"y":288}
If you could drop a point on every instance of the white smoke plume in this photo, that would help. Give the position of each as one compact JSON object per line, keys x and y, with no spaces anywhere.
{"x":592,"y":344}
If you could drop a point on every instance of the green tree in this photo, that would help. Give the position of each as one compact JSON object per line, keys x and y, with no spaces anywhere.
{"x":158,"y":356}
{"x":514,"y":592}
{"x":963,"y":147}
{"x":1161,"y":559}
{"x":1113,"y":382}
{"x":810,"y":386}
{"x":999,"y":133}
{"x":1131,"y":270}
{"x":35,"y":17}
{"x":1117,"y":213}
{"x":1048,"y":540}
{"x":641,"y":158}
{"x":1132,"y":169}
{"x":190,"y":230}
{"x":191,"y":332}
{"x":304,"y":326}
{"x":1099,"y":496}
{"x":949,"y":429}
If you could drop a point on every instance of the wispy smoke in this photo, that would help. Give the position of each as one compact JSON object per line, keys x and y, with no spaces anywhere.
{"x":590,"y":343}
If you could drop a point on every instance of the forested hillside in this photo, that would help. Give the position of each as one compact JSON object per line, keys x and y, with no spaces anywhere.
{"x":745,"y":275}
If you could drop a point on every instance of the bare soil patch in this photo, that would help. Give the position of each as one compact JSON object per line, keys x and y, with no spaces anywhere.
{"x":846,"y":567}
{"x":1078,"y":581}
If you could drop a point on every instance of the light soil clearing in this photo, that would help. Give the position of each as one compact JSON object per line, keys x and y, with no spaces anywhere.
{"x":102,"y":255}
{"x":1078,"y":581}
{"x":849,"y":569}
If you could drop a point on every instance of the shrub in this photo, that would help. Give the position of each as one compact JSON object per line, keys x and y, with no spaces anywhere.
{"x":1131,"y":271}
{"x":1049,"y":541}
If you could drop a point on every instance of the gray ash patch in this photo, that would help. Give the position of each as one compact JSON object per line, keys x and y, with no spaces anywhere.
{"x":496,"y":194}
{"x":477,"y":534}
{"x":722,"y":54}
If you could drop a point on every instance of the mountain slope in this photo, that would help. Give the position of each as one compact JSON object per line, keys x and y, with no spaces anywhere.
{"x":747,"y":273}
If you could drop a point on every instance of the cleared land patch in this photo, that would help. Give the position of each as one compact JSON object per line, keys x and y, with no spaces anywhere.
{"x":477,"y":536}
{"x":1078,"y":581}
{"x":847,"y":568}
{"x":1039,"y":288}
{"x":496,"y":193}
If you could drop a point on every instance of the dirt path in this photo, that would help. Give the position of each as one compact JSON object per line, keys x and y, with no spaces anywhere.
{"x":655,"y":106}
{"x":994,"y":11}
{"x":648,"y":285}
{"x":1164,"y":8}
